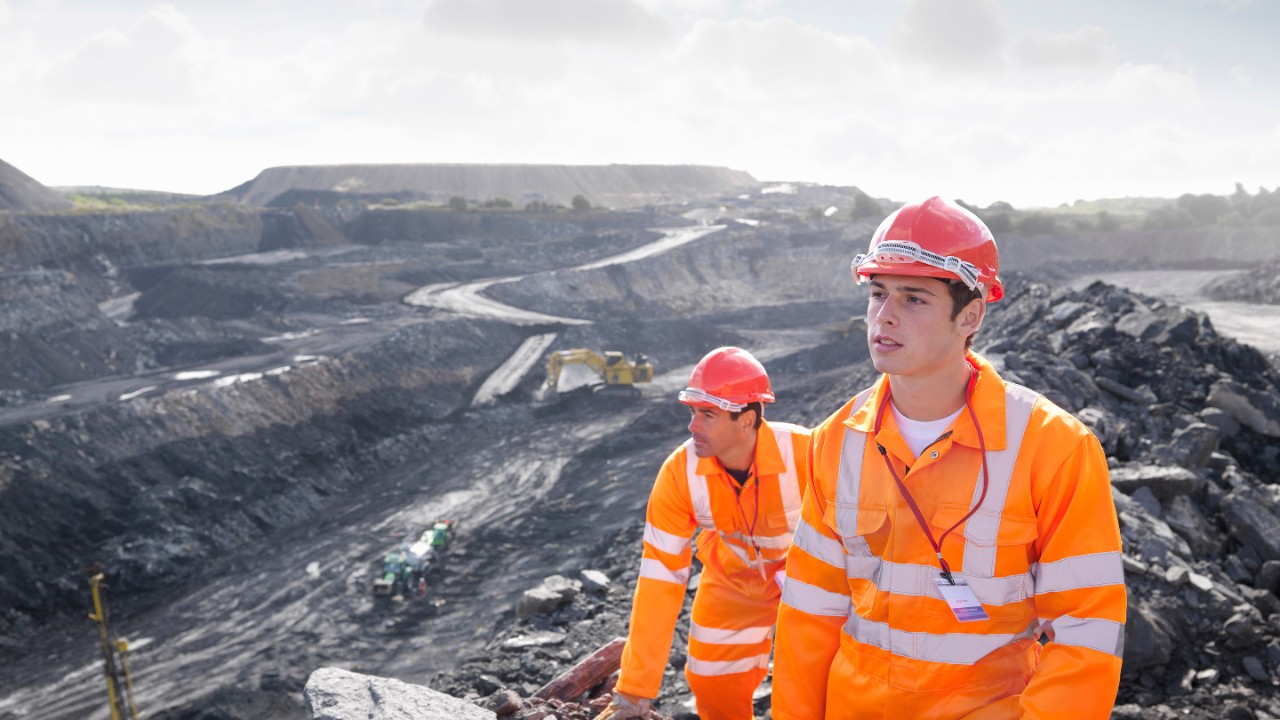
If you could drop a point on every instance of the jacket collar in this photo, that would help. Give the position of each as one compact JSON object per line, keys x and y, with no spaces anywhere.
{"x":988,"y":401}
{"x":768,"y":460}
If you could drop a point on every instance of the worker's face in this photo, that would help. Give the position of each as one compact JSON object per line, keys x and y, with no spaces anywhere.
{"x":715,"y":432}
{"x":910,"y":331}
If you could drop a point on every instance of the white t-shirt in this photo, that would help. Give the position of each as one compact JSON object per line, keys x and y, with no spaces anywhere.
{"x":920,"y":434}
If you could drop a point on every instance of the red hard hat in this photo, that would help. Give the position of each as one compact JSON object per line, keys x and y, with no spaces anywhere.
{"x":934,"y":238}
{"x":727,"y":378}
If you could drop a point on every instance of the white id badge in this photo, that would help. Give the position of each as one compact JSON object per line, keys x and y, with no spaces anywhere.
{"x":961,"y":599}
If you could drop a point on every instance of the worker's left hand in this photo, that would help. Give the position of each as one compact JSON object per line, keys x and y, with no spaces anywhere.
{"x":624,"y":706}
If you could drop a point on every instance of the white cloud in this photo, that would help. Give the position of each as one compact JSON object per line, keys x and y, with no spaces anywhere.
{"x":1151,"y":86}
{"x":775,"y":59}
{"x":154,"y":62}
{"x":762,"y":7}
{"x":1087,"y":47}
{"x":952,"y":34}
{"x":541,"y":21}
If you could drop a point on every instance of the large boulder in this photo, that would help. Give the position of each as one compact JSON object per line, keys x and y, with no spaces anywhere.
{"x":1259,"y":411}
{"x":336,"y":694}
{"x":1165,"y":481}
{"x":552,"y":594}
{"x":1249,"y":519}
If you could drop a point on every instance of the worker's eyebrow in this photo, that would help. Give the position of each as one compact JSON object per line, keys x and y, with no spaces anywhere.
{"x":906,"y":288}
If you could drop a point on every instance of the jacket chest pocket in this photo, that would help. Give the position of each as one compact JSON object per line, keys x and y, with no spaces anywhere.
{"x":994,"y":554}
{"x":775,"y":523}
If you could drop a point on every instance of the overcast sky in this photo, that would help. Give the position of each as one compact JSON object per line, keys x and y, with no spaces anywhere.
{"x":1034,"y":102}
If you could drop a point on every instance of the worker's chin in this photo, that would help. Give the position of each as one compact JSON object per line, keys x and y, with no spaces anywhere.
{"x":702,"y":450}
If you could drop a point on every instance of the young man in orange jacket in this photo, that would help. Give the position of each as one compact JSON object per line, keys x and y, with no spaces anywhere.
{"x":958,"y":556}
{"x":740,"y":480}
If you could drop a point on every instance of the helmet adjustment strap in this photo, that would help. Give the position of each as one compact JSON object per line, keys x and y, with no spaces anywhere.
{"x":904,"y":252}
{"x":697,"y":395}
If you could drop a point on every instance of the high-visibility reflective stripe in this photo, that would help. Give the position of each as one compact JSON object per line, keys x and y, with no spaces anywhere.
{"x":1081,"y":571}
{"x":1105,"y":636}
{"x":773,"y":542}
{"x":952,"y":648}
{"x":814,"y":600}
{"x":666,"y":542}
{"x":725,"y":667}
{"x":698,"y":495}
{"x":918,"y":581}
{"x":982,"y":529}
{"x":819,"y":546}
{"x":740,"y":551}
{"x":787,"y":483}
{"x":849,"y":486}
{"x":719,"y":636}
{"x":655,"y":570}
{"x":764,"y":542}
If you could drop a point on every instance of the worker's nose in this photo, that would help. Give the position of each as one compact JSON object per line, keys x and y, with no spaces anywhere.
{"x":882,"y":312}
{"x":693,"y":422}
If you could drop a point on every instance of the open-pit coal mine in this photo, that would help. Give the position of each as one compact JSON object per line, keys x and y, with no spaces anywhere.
{"x":229,"y":414}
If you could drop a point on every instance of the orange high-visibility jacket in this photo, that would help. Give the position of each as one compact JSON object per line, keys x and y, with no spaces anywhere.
{"x":863,"y":631}
{"x":743,"y":540}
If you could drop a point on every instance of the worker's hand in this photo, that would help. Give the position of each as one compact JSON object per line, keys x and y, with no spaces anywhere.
{"x":625,"y":706}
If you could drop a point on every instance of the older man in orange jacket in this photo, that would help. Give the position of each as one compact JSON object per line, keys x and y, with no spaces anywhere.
{"x":955,"y":521}
{"x":740,"y":481}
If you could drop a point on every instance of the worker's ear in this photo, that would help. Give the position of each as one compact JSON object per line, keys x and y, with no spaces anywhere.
{"x":970,"y":318}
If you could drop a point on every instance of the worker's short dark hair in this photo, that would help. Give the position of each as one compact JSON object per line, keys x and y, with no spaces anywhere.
{"x":961,"y":296}
{"x":757,"y":406}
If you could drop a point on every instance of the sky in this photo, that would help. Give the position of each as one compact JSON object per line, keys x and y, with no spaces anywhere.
{"x":1032,"y":102}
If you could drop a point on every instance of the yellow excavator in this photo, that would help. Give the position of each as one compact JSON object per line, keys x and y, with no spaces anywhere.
{"x":612,"y":372}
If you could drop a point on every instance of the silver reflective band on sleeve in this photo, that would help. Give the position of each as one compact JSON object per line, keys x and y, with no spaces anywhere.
{"x":718,"y":636}
{"x":725,"y":667}
{"x":952,"y":648}
{"x":1081,"y":571}
{"x":904,"y":251}
{"x":1106,"y":636}
{"x":669,"y":543}
{"x":788,"y":485}
{"x":655,"y":570}
{"x":819,"y":546}
{"x":814,"y":600}
{"x":700,"y":396}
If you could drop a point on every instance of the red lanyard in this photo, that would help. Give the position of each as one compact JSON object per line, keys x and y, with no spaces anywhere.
{"x":751,"y":529}
{"x":915,"y":509}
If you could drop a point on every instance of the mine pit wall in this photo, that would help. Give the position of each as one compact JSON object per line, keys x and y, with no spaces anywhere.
{"x":724,"y":271}
{"x":154,"y":487}
{"x":95,"y":247}
{"x":615,"y":186}
{"x":52,"y":332}
{"x":373,"y":227}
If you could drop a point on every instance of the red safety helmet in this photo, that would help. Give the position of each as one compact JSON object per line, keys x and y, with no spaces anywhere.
{"x":934,"y":238}
{"x":728,"y":378}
